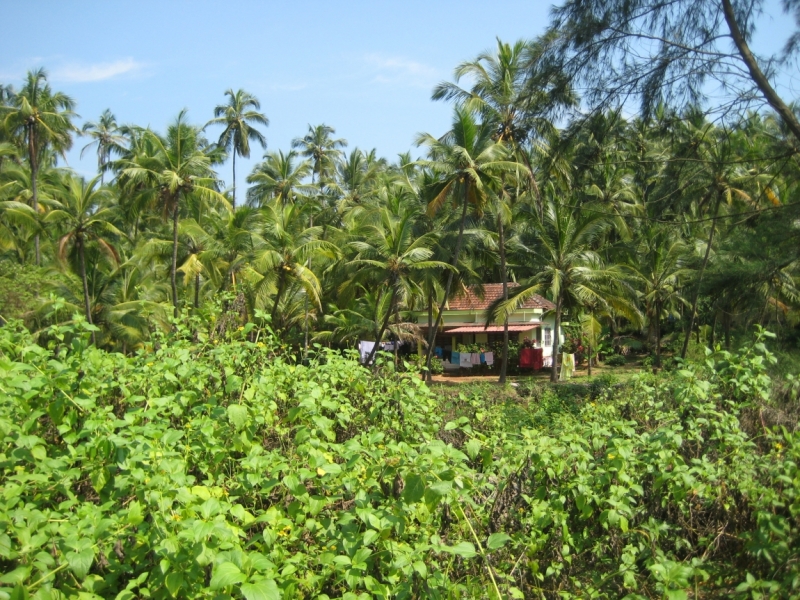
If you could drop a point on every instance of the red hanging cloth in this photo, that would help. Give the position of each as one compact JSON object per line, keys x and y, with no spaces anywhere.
{"x":526,"y":358}
{"x":538,"y":358}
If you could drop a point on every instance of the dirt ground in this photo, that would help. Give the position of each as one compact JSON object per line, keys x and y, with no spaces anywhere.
{"x":581,"y":375}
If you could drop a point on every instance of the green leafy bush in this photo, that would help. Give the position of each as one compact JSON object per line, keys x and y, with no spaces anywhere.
{"x":615,"y":360}
{"x":215,"y":468}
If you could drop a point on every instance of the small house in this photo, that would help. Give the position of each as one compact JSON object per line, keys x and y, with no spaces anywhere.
{"x":464,"y":320}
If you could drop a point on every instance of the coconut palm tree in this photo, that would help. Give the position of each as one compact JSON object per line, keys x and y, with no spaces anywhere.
{"x":41,"y":118}
{"x":83,"y":210}
{"x":571,"y":272}
{"x":388,"y":255}
{"x":657,"y":273}
{"x":176,"y":168}
{"x":322,"y":150}
{"x":467,"y":161}
{"x":282,"y":256}
{"x":106,"y":136}
{"x":499,"y":93}
{"x":279,"y":176}
{"x":239,"y":116}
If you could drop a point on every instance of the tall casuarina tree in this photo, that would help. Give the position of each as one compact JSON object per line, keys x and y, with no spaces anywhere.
{"x":239,"y":116}
{"x":43,"y":119}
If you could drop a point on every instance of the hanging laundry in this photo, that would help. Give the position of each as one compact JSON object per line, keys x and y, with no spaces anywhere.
{"x":526,"y":358}
{"x":455,"y":358}
{"x":483,"y":358}
{"x":364,"y":348}
{"x":538,"y":358}
{"x":465,"y":360}
{"x":489,"y":357}
{"x":438,"y":351}
{"x":567,"y":366}
{"x":475,"y":358}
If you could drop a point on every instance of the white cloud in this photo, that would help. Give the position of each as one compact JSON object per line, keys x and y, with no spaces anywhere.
{"x":81,"y":73}
{"x":399,"y":70}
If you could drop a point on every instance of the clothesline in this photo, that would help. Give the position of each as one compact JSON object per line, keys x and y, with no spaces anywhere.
{"x":467,"y":360}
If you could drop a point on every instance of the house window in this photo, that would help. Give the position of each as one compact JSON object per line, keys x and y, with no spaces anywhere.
{"x":548,"y":337}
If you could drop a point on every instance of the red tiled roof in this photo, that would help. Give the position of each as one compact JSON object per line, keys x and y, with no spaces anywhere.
{"x":493,"y":328}
{"x":470,"y":299}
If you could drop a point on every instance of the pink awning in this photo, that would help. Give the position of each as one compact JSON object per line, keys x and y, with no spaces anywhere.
{"x":493,"y":328}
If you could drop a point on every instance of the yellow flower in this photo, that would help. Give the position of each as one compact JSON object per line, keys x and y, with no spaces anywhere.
{"x":260,"y":344}
{"x":149,"y":364}
{"x":240,"y":329}
{"x":611,"y":456}
{"x":778,"y":446}
{"x":320,"y":471}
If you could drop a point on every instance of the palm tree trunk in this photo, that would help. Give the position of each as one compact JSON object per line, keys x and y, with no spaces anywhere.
{"x":34,"y":185}
{"x":537,"y":192}
{"x":384,"y":325}
{"x":233,"y":204}
{"x":589,"y":359}
{"x":700,"y":279}
{"x":726,"y":325}
{"x":305,"y":302}
{"x":713,"y":331}
{"x":554,"y":367}
{"x":396,"y":336}
{"x":278,"y":294}
{"x":197,"y":291}
{"x":86,"y":303}
{"x":456,"y":253}
{"x":658,"y":333}
{"x":174,"y":266}
{"x":504,"y":279}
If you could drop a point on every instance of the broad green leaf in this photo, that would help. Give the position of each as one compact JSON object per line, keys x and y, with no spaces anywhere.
{"x":472,"y":447}
{"x":135,"y":513}
{"x":421,"y":568}
{"x":99,"y":479}
{"x":497,"y":540}
{"x":174,"y":582}
{"x":237,"y":415}
{"x":266,"y":589}
{"x":463,"y":549}
{"x":19,"y":593}
{"x":370,"y":535}
{"x":202,"y":492}
{"x":80,"y":562}
{"x":226,"y":574}
{"x":18,"y":575}
{"x":414,"y":489}
{"x":332,"y":468}
{"x":5,"y":546}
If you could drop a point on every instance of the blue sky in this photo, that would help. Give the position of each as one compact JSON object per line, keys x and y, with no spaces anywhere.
{"x":365,"y":68}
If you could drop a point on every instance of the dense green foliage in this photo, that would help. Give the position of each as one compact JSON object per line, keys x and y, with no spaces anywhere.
{"x":179,"y":415}
{"x":651,"y":227}
{"x":214,"y":466}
